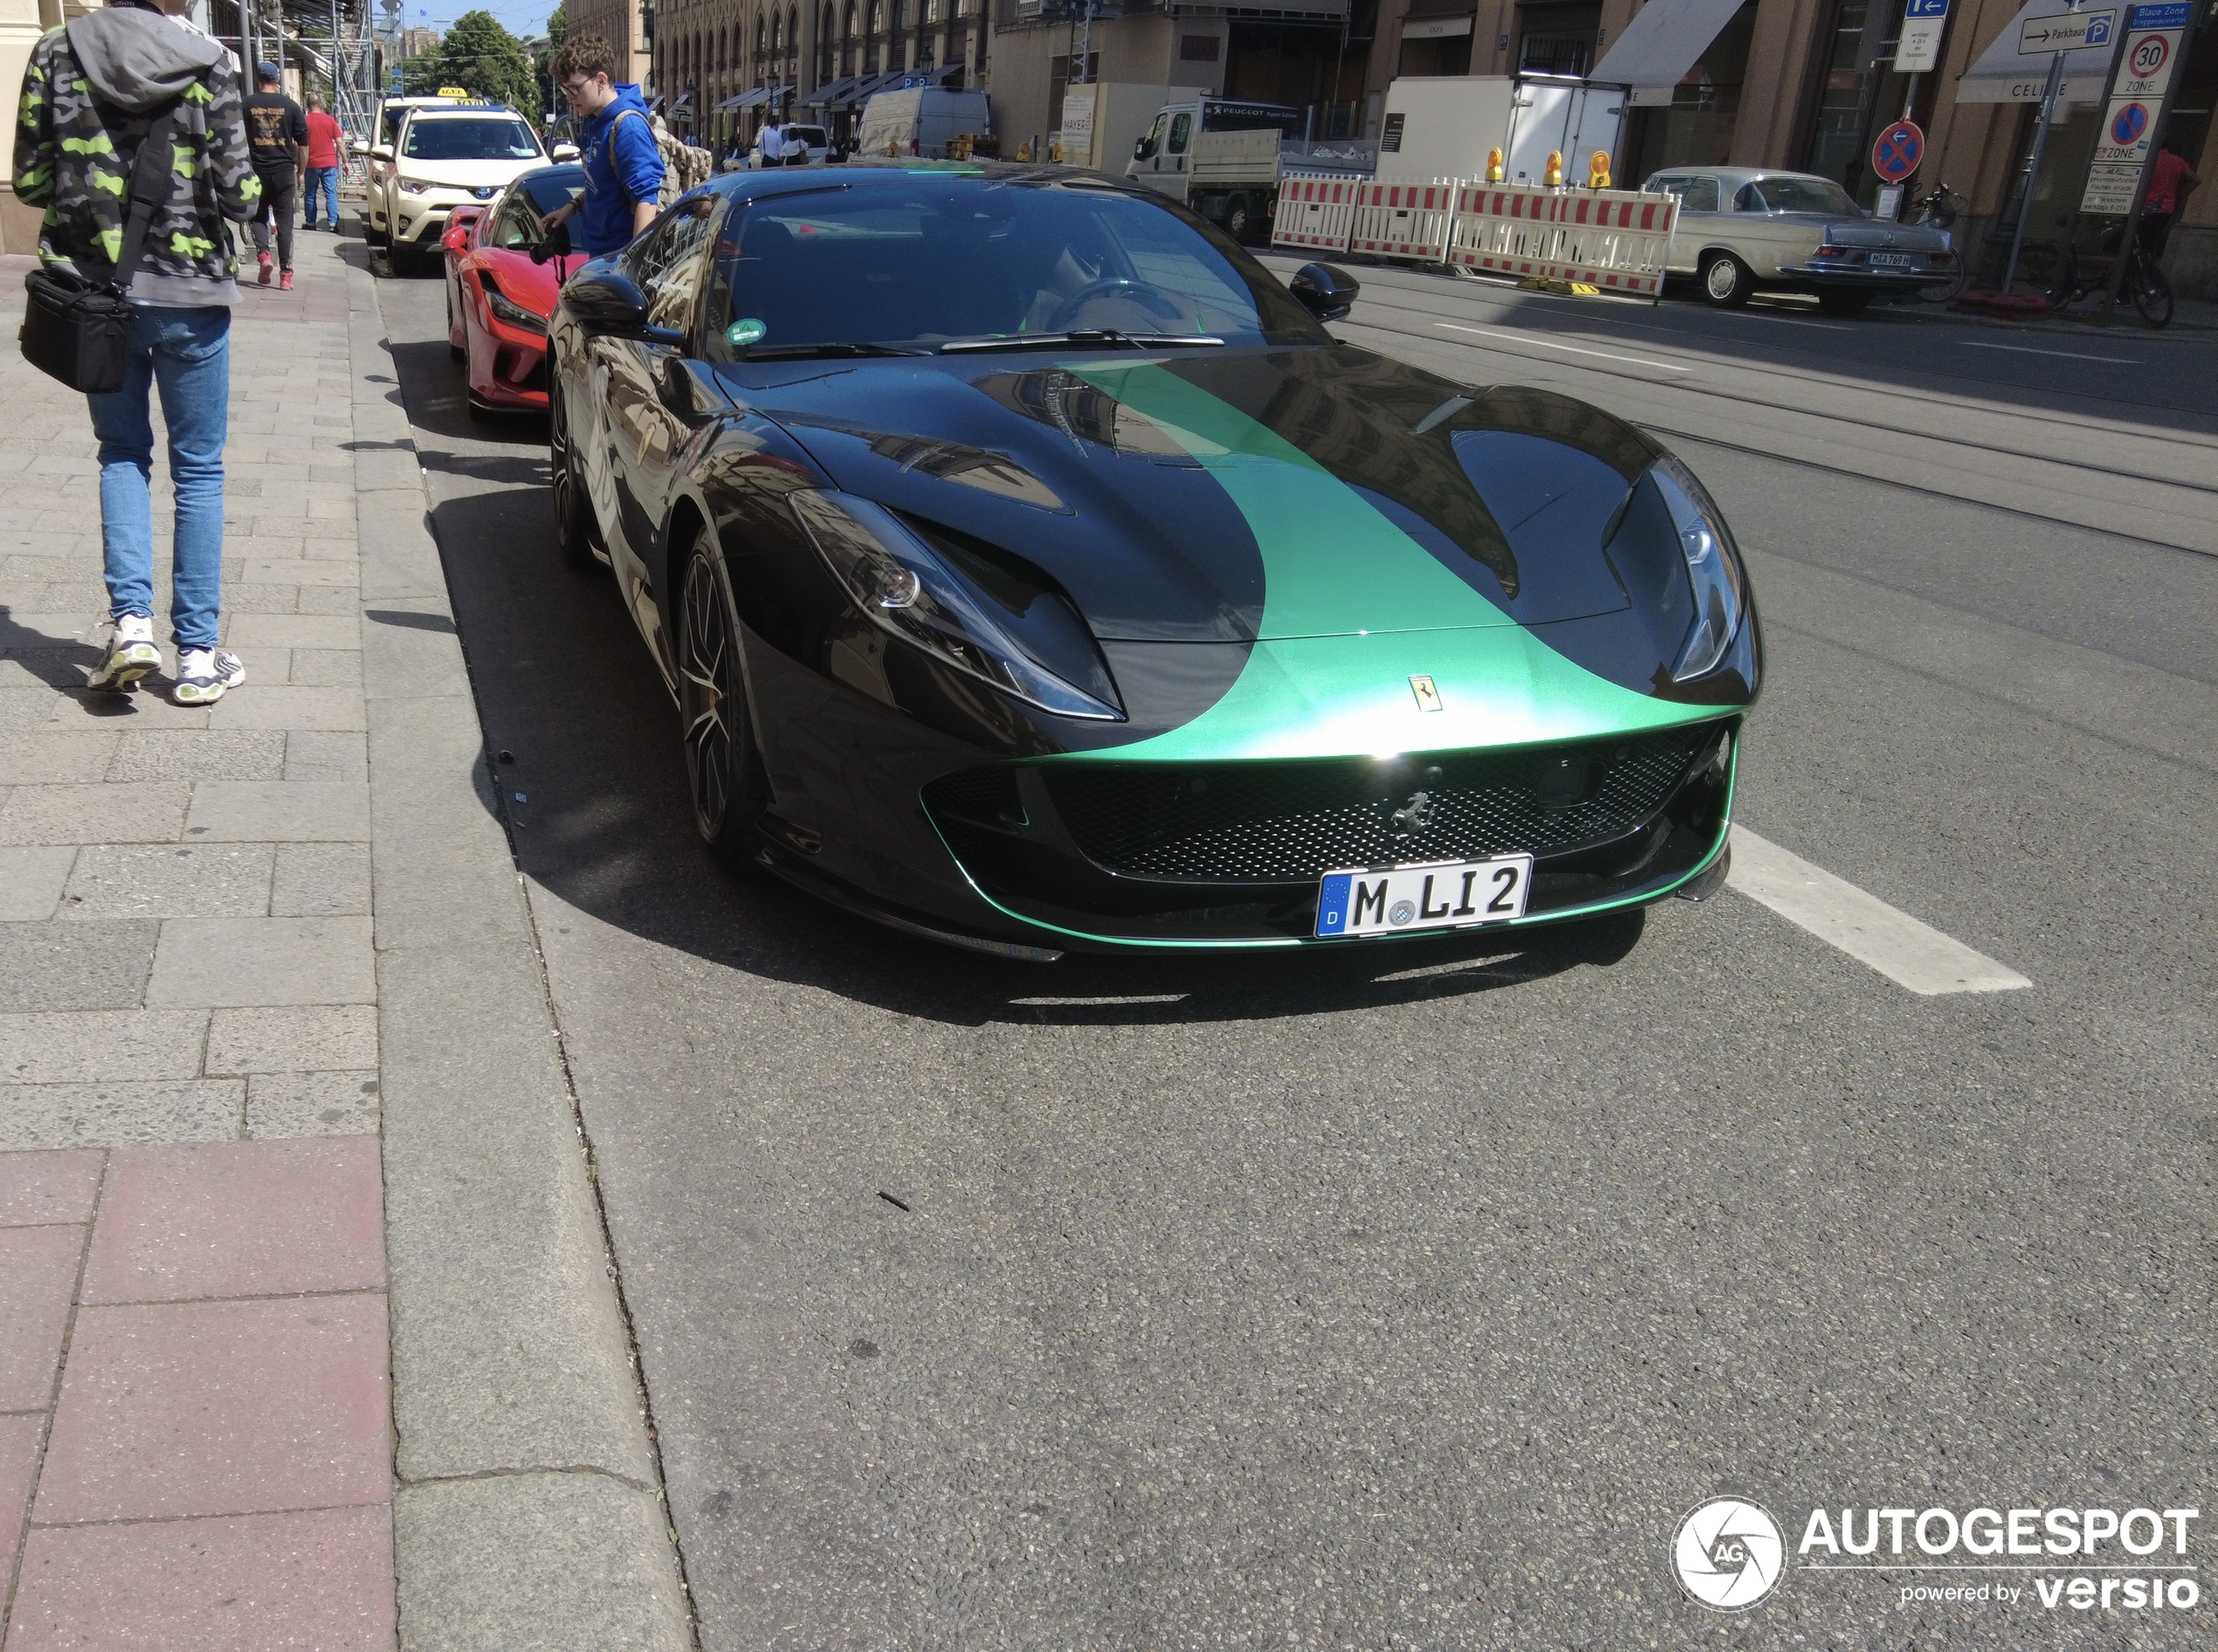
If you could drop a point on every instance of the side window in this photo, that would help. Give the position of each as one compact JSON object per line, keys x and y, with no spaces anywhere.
{"x":1751,"y":199}
{"x":677,"y":250}
{"x":1697,"y":194}
{"x":1152,"y":144}
{"x":1182,"y":132}
{"x":509,"y":229}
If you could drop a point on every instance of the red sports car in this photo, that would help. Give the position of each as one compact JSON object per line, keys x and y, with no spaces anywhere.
{"x":498,"y":297}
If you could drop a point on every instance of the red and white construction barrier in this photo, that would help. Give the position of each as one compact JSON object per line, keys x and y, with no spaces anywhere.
{"x":1403,"y":220}
{"x":1315,"y":211}
{"x":1613,"y":240}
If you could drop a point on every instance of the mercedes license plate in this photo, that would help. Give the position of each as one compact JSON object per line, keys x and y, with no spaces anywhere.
{"x":1890,"y":260}
{"x":1448,"y":894}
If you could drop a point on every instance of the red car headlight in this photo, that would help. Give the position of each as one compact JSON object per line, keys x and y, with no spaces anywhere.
{"x":506,"y":309}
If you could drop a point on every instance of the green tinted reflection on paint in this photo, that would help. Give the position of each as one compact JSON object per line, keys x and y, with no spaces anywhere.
{"x":745,"y":331}
{"x":1332,"y":563}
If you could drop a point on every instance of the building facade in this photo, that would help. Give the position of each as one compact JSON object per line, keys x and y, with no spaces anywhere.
{"x":625,"y":24}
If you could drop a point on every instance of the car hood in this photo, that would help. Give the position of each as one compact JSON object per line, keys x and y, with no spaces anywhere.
{"x":1235,"y":495}
{"x":463,"y":175}
{"x":520,"y":280}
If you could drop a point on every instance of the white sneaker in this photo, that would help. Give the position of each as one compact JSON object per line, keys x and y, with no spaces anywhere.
{"x":204,"y":674}
{"x":131,"y":654}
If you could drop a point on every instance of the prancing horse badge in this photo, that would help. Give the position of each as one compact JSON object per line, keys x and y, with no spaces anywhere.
{"x":1428,"y":696}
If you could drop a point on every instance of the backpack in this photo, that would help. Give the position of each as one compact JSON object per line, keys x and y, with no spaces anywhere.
{"x":684,"y":167}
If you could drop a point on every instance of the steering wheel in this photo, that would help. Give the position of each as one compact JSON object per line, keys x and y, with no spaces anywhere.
{"x":1149,"y":300}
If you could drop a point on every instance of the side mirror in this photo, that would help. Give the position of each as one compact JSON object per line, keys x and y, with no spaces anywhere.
{"x":360,"y":146}
{"x":607,"y":301}
{"x":464,"y":219}
{"x":1140,"y":148}
{"x":1325,"y":290}
{"x":566,"y":152}
{"x":381,"y":152}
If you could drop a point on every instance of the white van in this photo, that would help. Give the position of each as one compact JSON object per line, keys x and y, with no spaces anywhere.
{"x":920,"y":120}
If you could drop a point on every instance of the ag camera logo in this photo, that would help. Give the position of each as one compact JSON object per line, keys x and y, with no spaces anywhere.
{"x":1729,"y":1554}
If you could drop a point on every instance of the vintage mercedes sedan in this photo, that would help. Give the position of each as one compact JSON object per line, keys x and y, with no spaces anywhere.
{"x":1032,"y":570}
{"x":1742,"y":230}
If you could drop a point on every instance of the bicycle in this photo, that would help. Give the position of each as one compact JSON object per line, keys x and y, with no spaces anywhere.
{"x":2061,"y":274}
{"x":1939,"y":211}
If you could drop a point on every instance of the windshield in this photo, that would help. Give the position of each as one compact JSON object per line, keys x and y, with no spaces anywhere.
{"x":503,"y":139}
{"x":945,"y":259}
{"x":551,"y":189}
{"x":1805,"y":194}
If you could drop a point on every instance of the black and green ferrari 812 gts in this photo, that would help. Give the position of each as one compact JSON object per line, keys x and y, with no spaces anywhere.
{"x":1032,"y":570}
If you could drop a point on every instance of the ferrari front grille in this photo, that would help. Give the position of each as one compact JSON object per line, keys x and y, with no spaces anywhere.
{"x":1284,"y":822}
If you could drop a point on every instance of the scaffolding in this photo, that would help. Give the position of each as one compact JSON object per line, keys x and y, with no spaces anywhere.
{"x":332,"y":45}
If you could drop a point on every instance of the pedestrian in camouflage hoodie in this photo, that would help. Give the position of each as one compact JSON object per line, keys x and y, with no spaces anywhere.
{"x":90,"y":93}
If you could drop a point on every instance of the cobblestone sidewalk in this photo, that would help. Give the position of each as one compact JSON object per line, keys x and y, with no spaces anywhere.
{"x":196,"y":1442}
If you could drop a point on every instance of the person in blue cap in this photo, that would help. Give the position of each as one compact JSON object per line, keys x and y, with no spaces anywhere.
{"x":276,"y":138}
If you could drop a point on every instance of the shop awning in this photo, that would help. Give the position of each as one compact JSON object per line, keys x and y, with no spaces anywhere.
{"x":745,"y":100}
{"x":830,"y":92}
{"x":1660,"y":44}
{"x":868,"y":85}
{"x":2003,"y":74}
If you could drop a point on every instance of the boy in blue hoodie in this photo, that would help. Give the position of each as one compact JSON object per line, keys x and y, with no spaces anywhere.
{"x":623,"y":163}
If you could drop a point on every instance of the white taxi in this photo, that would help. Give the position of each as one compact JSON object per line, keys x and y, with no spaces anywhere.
{"x":444,"y":155}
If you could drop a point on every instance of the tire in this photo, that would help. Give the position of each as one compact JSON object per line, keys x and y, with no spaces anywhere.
{"x":1726,"y":282}
{"x":725,"y":777}
{"x":2150,"y":291}
{"x":1239,"y":219}
{"x":573,"y":530}
{"x":2043,"y":268}
{"x":1942,"y":291}
{"x":1845,"y":301}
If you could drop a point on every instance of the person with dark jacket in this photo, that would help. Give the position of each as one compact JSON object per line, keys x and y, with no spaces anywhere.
{"x":624,"y":163}
{"x":277,"y":136}
{"x":92,"y":90}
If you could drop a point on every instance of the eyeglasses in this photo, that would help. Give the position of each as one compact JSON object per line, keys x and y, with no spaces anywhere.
{"x":575,"y":89}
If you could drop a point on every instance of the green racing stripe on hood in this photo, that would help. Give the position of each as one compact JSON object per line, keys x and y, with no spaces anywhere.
{"x":1318,"y":687}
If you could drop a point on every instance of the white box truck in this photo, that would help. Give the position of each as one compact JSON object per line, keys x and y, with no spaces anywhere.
{"x":1443,"y":126}
{"x":1103,"y":121}
{"x":920,"y":121}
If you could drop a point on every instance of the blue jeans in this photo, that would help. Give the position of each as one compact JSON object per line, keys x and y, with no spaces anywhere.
{"x":323,"y":184}
{"x":185,"y":354}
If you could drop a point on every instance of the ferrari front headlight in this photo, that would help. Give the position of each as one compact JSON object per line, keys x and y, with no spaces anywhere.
{"x":1713,"y":568}
{"x":506,"y":309}
{"x":903,"y":586}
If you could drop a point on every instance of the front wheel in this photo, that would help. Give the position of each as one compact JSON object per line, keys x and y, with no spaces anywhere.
{"x":724,"y":770}
{"x":1239,"y":219}
{"x":2145,"y":285}
{"x":1726,"y":281}
{"x":573,"y":536}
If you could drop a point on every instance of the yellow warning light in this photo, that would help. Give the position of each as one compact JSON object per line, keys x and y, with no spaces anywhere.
{"x":1554,"y":176}
{"x":1493,"y":166}
{"x":1598,"y":170}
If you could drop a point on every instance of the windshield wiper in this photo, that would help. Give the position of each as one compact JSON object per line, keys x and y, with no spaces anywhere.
{"x":819,"y":352}
{"x":1089,"y":335}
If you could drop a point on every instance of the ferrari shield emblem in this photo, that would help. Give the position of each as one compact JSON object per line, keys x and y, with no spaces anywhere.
{"x":1428,"y":696}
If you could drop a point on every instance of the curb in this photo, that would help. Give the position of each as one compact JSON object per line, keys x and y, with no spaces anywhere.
{"x":528,"y":1510}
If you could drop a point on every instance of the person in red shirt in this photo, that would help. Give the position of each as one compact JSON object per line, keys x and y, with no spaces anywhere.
{"x":324,"y":139}
{"x":2170,"y":177}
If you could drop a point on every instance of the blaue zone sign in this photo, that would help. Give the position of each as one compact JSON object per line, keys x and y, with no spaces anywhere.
{"x":2126,"y":140}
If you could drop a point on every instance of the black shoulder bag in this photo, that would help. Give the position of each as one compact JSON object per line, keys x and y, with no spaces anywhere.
{"x":80,"y":331}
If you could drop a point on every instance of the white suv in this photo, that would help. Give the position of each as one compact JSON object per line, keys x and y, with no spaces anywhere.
{"x":444,"y":156}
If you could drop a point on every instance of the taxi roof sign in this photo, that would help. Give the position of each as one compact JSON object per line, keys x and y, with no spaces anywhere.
{"x":454,"y":92}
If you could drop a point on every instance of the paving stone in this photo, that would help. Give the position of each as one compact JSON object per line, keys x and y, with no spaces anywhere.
{"x":278,"y":707}
{"x":79,"y":754}
{"x":280,"y":811}
{"x":37,"y":1277}
{"x":321,"y":880}
{"x":318,"y":754}
{"x":19,"y":1467}
{"x":242,"y":599}
{"x":199,"y":754}
{"x":208,"y":879}
{"x":144,"y":710}
{"x":137,"y":812}
{"x":60,"y":667}
{"x":24,"y":708}
{"x":331,"y":598}
{"x":299,"y":1038}
{"x":299,"y":570}
{"x":297,"y":630}
{"x":94,"y":965}
{"x":174,"y":1409}
{"x":36,"y":1188}
{"x":223,"y":961}
{"x":320,"y":1580}
{"x":326,"y":668}
{"x":57,"y":630}
{"x":239,"y":1219}
{"x":312,"y":1104}
{"x":96,"y":1046}
{"x":32,"y":882}
{"x":117,"y":1114}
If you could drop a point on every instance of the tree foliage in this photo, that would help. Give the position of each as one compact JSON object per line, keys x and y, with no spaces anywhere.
{"x":480,"y":56}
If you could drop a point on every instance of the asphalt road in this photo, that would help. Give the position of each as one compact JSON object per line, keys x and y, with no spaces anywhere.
{"x":1409,"y":1297}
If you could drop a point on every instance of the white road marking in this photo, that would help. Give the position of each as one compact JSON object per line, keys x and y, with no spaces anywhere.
{"x":1549,"y":344}
{"x":2069,"y":356}
{"x":1906,"y":952}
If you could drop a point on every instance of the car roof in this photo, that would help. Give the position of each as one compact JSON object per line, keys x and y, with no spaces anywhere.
{"x":1733,"y":177}
{"x":890,"y":173}
{"x":457,"y":111}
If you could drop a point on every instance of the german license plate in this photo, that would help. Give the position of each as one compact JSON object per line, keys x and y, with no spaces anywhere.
{"x":1450,"y":894}
{"x":1890,"y":260}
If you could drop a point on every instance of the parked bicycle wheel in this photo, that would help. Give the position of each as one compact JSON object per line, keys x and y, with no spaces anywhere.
{"x":2146,"y":288}
{"x":1942,"y":290}
{"x":2045,"y":268}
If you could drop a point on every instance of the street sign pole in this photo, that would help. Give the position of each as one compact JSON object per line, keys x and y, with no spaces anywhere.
{"x":2123,"y":68}
{"x":2033,"y":170}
